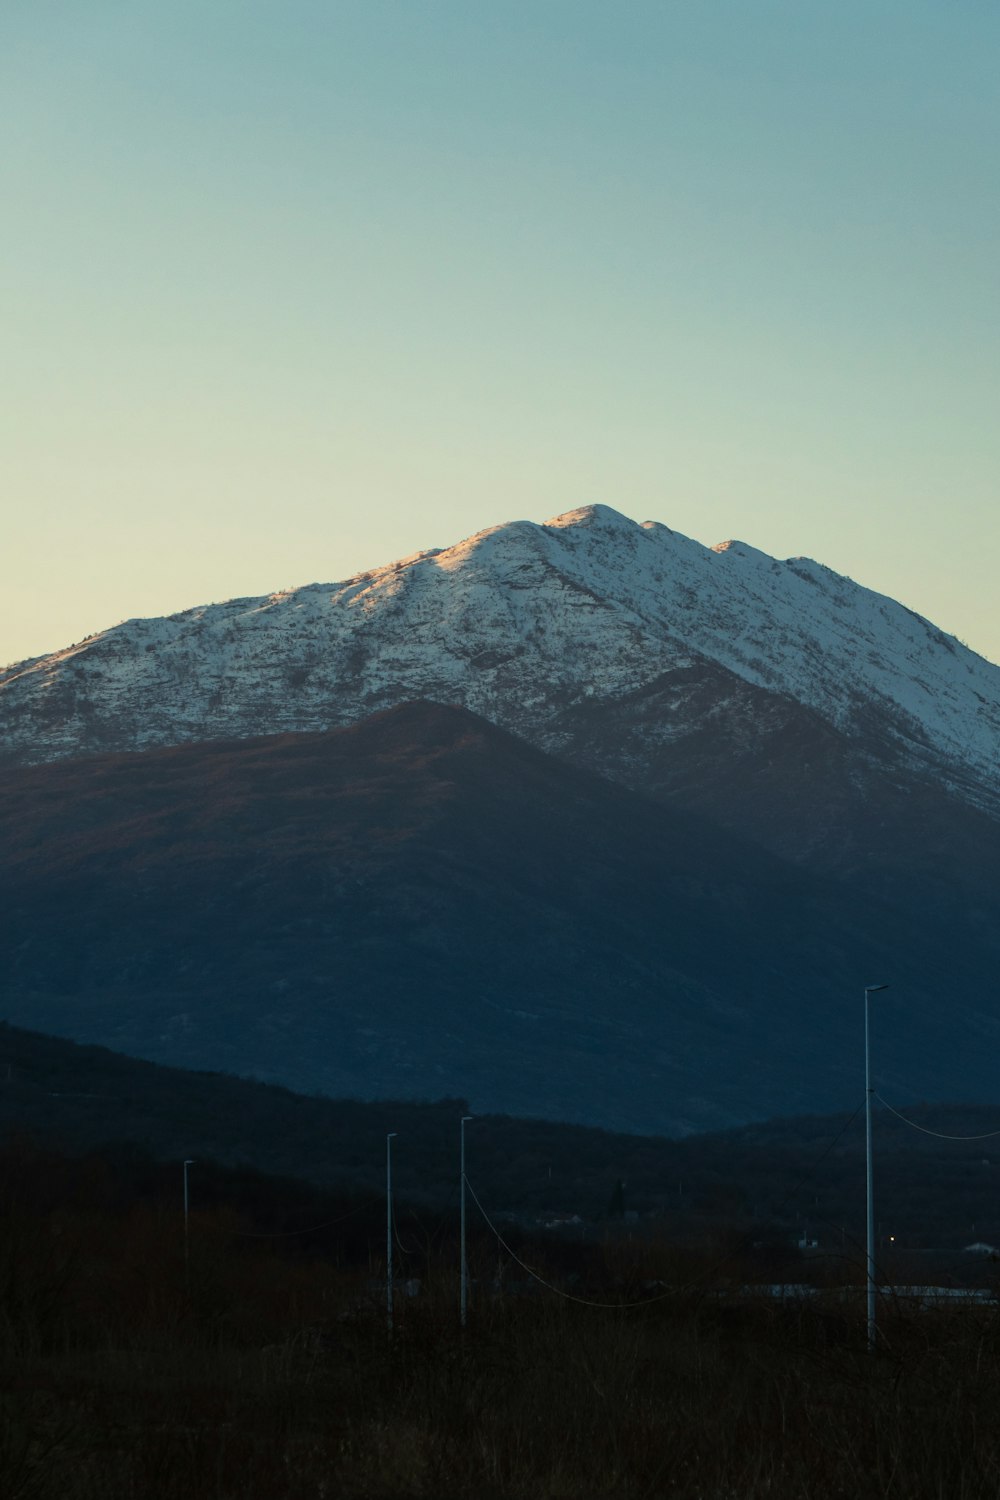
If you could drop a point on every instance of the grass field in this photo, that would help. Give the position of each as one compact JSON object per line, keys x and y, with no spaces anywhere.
{"x":268,"y":1373}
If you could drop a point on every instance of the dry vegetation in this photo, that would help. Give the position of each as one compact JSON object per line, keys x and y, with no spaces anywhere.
{"x":272,"y":1375}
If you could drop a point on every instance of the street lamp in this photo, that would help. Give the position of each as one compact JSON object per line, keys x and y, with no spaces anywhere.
{"x":189,"y":1162}
{"x":870,"y":989}
{"x":388,"y":1229}
{"x":464,"y":1295}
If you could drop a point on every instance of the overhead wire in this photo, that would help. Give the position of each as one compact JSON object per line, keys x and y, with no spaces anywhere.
{"x":569,"y":1296}
{"x":941,"y":1135}
{"x":687,"y":1286}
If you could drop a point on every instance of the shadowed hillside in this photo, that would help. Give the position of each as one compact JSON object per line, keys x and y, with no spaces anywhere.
{"x":424,"y":905}
{"x":773,"y":1177}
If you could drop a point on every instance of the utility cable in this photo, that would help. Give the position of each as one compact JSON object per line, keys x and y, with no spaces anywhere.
{"x":569,"y":1296}
{"x":685,"y":1287}
{"x":941,"y":1135}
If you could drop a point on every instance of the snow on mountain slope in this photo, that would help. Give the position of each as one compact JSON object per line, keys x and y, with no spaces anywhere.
{"x":519,"y":623}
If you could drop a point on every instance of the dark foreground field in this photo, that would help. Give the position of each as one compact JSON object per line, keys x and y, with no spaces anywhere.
{"x":268,"y":1371}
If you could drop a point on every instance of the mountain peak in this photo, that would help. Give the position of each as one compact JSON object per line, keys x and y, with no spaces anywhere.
{"x":533,"y":627}
{"x":600,"y":516}
{"x":735,"y":548}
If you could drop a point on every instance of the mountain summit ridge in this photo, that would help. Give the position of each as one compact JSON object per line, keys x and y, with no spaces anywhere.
{"x":527,"y":624}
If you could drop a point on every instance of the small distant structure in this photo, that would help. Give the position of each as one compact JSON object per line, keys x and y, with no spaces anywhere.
{"x":981,"y":1248}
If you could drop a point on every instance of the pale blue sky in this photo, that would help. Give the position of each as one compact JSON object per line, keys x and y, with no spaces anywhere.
{"x":292,"y":288}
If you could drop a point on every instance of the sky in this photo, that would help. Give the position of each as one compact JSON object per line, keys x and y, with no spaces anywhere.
{"x":295,"y":287}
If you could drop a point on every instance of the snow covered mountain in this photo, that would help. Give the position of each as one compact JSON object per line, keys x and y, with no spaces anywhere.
{"x":779,"y":711}
{"x":530,"y":626}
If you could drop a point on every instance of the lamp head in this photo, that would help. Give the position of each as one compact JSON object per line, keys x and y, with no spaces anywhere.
{"x":872,"y":989}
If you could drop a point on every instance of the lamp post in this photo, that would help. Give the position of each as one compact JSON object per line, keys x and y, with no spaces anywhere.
{"x":189,"y":1162}
{"x":870,"y":989}
{"x":388,"y":1229}
{"x":464,"y":1294}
